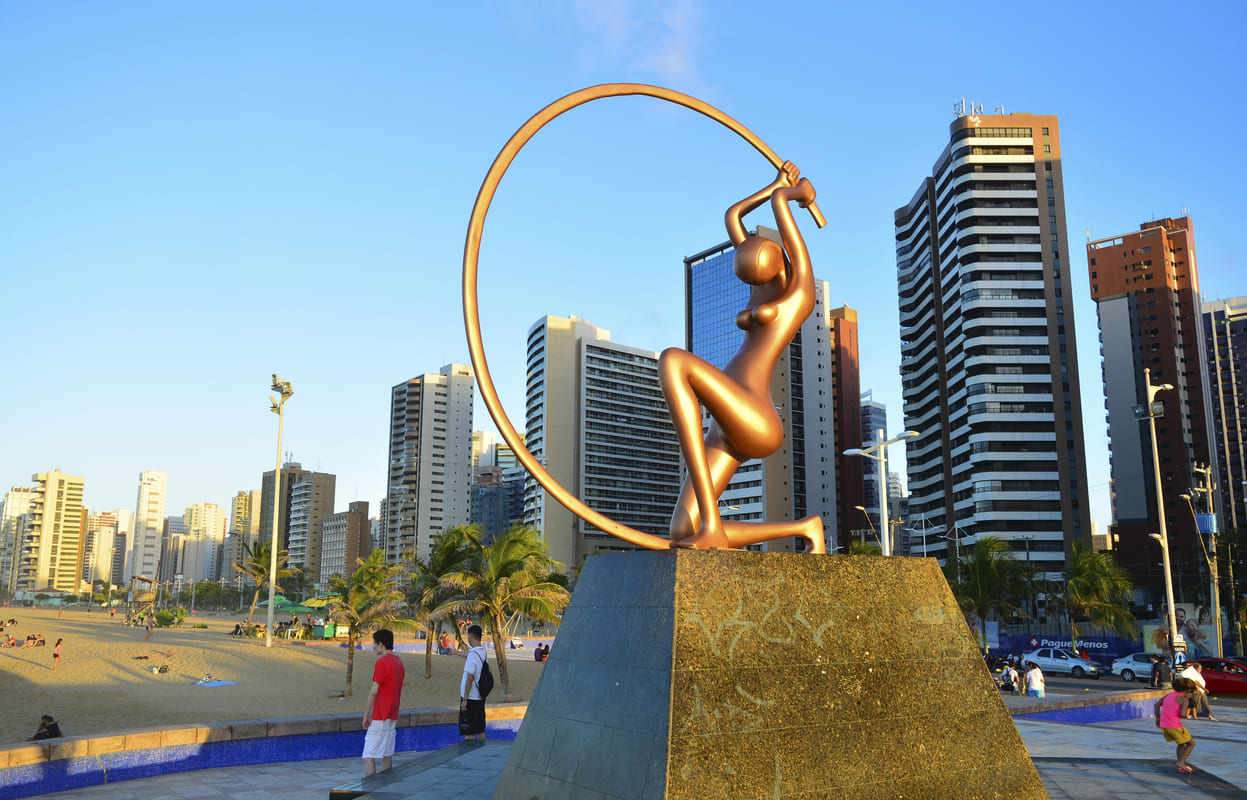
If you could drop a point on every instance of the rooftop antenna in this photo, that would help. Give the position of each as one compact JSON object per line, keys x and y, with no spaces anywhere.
{"x":1088,"y":234}
{"x":1186,"y":211}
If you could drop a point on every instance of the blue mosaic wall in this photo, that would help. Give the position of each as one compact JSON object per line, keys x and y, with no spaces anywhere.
{"x":83,"y":771}
{"x":1087,"y":715}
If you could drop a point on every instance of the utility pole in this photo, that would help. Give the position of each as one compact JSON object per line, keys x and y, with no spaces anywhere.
{"x":1211,"y":555}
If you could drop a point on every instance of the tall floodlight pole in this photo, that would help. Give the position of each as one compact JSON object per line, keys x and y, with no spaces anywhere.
{"x":1210,"y":555}
{"x":278,"y":407}
{"x":879,"y":452}
{"x":1153,"y":410}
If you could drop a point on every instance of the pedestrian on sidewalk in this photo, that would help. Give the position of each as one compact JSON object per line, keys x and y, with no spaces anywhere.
{"x":1169,"y":712}
{"x":471,"y":702}
{"x":1199,"y":703}
{"x":1034,"y":680}
{"x":1162,"y":675}
{"x":384,"y":699}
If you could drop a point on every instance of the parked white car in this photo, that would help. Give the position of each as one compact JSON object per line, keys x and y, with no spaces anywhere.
{"x":1055,"y":659}
{"x":1134,"y":667}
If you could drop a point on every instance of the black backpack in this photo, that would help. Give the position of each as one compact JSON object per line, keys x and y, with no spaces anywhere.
{"x":485,"y":683}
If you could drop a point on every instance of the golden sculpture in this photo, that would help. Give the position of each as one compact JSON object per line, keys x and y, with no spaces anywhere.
{"x":745,"y":423}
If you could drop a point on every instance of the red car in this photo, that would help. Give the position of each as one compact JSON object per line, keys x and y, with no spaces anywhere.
{"x":1223,"y":675}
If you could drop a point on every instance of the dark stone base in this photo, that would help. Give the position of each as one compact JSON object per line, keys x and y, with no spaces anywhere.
{"x":695,"y":674}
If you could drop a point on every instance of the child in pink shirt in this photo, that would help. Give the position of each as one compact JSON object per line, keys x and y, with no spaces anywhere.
{"x":1169,"y":712}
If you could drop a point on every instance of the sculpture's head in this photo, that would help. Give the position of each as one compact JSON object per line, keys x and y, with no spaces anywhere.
{"x":759,"y":260}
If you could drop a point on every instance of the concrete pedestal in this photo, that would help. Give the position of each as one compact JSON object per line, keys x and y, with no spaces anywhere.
{"x":707,"y":674}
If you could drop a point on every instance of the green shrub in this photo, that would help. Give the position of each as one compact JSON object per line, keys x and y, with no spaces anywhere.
{"x":200,"y":625}
{"x":164,"y":618}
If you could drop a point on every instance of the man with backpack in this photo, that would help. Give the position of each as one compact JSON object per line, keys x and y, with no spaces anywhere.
{"x":474,"y":687}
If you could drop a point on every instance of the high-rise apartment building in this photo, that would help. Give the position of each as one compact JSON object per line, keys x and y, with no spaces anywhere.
{"x":430,"y":459}
{"x":311,"y":503}
{"x":244,"y":529}
{"x":292,"y":474}
{"x":345,"y":538}
{"x":121,"y":538}
{"x":149,"y":523}
{"x":989,"y":372}
{"x":874,"y":422}
{"x":1146,"y":287}
{"x":12,"y":524}
{"x":816,"y":392}
{"x":52,"y":542}
{"x":97,"y":550}
{"x":174,"y":555}
{"x":1225,"y":345}
{"x":489,"y":502}
{"x":205,"y":527}
{"x":596,"y":420}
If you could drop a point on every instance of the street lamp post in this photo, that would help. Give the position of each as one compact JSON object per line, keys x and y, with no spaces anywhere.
{"x":881,"y":449}
{"x":1155,"y":409}
{"x":869,"y":522}
{"x":278,"y":407}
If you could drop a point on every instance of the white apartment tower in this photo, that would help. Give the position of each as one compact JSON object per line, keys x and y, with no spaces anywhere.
{"x":597,"y":421}
{"x":430,"y":465}
{"x":149,"y":523}
{"x":12,"y":523}
{"x":989,"y":373}
{"x":205,"y":532}
{"x":97,"y":551}
{"x":51,"y":549}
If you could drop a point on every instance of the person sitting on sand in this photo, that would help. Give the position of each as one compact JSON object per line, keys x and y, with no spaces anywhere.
{"x":48,"y":729}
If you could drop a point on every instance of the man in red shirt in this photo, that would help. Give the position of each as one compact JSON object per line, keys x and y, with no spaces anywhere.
{"x":381,"y":713}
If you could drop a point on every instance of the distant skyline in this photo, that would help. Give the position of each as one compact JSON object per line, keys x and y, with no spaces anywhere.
{"x":198,"y":196}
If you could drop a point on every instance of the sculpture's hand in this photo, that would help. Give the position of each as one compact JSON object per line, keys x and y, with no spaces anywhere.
{"x":803,"y":192}
{"x":788,"y":174}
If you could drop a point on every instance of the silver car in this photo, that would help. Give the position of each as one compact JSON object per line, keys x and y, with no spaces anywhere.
{"x":1134,"y":667}
{"x":1056,"y":659}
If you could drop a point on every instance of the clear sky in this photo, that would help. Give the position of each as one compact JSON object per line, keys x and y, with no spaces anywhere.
{"x":196,"y":195}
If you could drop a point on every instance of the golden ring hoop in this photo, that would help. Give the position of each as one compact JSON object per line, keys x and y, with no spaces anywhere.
{"x":471,"y":255}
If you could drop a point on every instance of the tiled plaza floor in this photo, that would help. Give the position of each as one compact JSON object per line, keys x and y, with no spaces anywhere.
{"x":1126,"y":759}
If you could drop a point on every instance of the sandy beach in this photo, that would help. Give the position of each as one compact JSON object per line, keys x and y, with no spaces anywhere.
{"x":102,"y":685}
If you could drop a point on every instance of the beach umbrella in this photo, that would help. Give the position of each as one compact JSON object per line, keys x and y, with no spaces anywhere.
{"x":319,"y":602}
{"x":293,"y":608}
{"x":279,"y":599}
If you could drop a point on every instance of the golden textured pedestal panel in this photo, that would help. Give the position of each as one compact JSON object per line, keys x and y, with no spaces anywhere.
{"x":728,"y":674}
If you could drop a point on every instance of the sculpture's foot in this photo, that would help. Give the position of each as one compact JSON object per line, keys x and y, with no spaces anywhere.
{"x":811,"y":529}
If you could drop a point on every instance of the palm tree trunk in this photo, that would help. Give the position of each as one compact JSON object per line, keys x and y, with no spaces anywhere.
{"x":428,"y":652}
{"x":254,"y":600}
{"x":500,"y":653}
{"x":350,"y":661}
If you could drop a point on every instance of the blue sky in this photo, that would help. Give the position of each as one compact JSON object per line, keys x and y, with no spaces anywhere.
{"x":197,"y":195}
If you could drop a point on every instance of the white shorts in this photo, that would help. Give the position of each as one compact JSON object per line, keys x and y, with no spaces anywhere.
{"x":379,"y":739}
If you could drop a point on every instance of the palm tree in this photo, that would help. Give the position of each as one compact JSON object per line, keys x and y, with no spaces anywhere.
{"x":364,"y":601}
{"x":500,"y":581}
{"x":426,"y":591}
{"x":255,"y":565}
{"x":989,"y":579}
{"x":1096,"y":590}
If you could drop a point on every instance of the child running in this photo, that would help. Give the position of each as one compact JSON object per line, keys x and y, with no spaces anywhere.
{"x":1169,"y":712}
